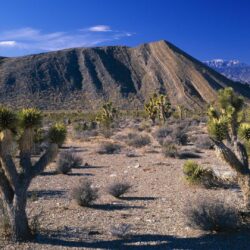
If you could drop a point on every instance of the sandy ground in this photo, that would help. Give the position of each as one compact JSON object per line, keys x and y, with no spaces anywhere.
{"x":155,"y":207}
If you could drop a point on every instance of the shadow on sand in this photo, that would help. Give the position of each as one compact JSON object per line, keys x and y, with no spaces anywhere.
{"x":238,"y":240}
{"x":46,"y":194}
{"x":113,"y":207}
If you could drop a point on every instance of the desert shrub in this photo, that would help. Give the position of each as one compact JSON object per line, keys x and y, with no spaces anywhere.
{"x":117,"y":189}
{"x":63,"y":166}
{"x":213,"y":215}
{"x":121,"y":231}
{"x":106,"y":132}
{"x":81,"y":126}
{"x":138,"y":141}
{"x":162,"y":132}
{"x":179,"y":135}
{"x":67,"y":161}
{"x":203,"y":142}
{"x":109,"y":148}
{"x":170,"y":150}
{"x":176,"y":133}
{"x":85,"y":134}
{"x":85,"y":194}
{"x":85,"y":126}
{"x":75,"y":159}
{"x":196,"y":174}
{"x":144,"y":126}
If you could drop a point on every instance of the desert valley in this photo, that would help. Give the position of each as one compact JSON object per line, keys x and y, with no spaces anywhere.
{"x":118,"y":127}
{"x":126,"y":178}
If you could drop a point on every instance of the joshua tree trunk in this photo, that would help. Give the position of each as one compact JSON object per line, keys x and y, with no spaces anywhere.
{"x":244,"y":183}
{"x":18,"y":219}
{"x":236,"y":157}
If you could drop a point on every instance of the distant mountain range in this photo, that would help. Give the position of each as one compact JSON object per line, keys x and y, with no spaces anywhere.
{"x":83,"y":78}
{"x":233,"y":69}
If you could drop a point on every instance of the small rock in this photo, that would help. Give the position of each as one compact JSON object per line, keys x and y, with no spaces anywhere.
{"x":137,"y":165}
{"x":131,"y":155}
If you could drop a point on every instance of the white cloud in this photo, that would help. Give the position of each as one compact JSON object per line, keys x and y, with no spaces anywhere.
{"x":100,"y":28}
{"x":8,"y":43}
{"x":30,"y":40}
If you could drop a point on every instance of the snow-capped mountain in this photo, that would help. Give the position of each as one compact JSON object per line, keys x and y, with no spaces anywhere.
{"x":233,"y":69}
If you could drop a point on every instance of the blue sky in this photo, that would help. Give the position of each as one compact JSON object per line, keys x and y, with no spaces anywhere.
{"x":206,"y":29}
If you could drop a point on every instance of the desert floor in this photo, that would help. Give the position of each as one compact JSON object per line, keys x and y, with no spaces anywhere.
{"x":155,"y":207}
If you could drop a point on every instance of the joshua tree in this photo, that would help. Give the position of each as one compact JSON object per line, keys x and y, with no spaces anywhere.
{"x":181,"y":111}
{"x":228,"y":130}
{"x":158,"y":107}
{"x":15,"y":177}
{"x":107,"y":114}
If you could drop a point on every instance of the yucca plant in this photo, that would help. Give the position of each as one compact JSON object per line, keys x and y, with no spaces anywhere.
{"x":8,"y":119}
{"x":15,"y":178}
{"x":228,"y":131}
{"x":158,"y":107}
{"x":57,"y":133}
{"x":30,"y":118}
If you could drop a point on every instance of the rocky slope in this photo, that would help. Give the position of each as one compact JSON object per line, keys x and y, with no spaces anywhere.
{"x":233,"y":69}
{"x":84,"y":77}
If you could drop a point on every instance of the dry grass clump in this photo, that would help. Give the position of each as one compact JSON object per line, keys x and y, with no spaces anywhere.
{"x":118,"y":189}
{"x":85,"y":194}
{"x":176,"y":134}
{"x":213,"y":215}
{"x":121,"y":231}
{"x":203,"y":142}
{"x":67,"y":161}
{"x":85,"y":130}
{"x":145,"y":126}
{"x":109,"y":148}
{"x":170,"y":150}
{"x":138,"y":141}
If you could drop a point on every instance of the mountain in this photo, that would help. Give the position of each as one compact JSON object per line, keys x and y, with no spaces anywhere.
{"x":82,"y":78}
{"x":233,"y":69}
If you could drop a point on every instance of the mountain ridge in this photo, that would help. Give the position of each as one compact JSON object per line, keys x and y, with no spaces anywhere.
{"x":85,"y":77}
{"x":233,"y":69}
